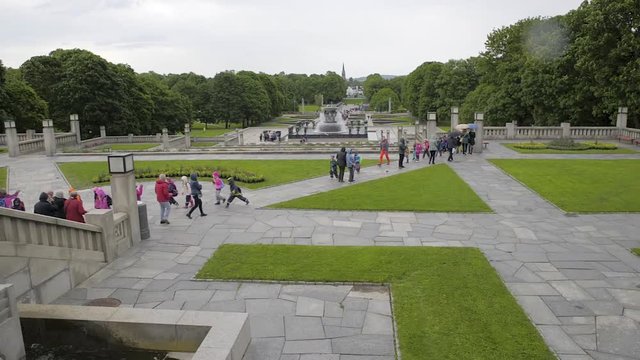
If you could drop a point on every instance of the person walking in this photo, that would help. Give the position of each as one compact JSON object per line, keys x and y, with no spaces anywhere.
{"x":418,"y":150}
{"x":451,"y":144}
{"x":139,"y":191}
{"x":384,"y":150}
{"x":351,"y":162}
{"x":341,"y":157}
{"x":425,"y":148}
{"x":402,"y":148}
{"x":465,"y":143}
{"x":219,"y":184}
{"x":73,"y":209}
{"x":236,"y":192}
{"x":100,"y":199}
{"x":58,"y":202}
{"x":186,"y":191}
{"x":472,"y":141}
{"x":433,"y":150}
{"x":333,"y":167}
{"x":44,"y":207}
{"x":196,"y":196}
{"x":163,"y":196}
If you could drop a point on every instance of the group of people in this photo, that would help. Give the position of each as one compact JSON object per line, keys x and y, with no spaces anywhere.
{"x":56,"y":205}
{"x":192,"y":191}
{"x":344,"y":159}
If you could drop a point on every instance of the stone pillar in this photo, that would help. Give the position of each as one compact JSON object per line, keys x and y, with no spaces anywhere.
{"x":479,"y":121}
{"x":11,"y":134}
{"x":103,"y":131}
{"x":621,"y":120}
{"x":240,"y":135}
{"x":104,"y":219}
{"x":12,"y":344}
{"x":432,"y":125}
{"x":123,"y":192}
{"x":511,"y":130}
{"x":165,"y":139}
{"x":48,"y":132}
{"x":187,"y":136}
{"x":31,"y":134}
{"x":454,"y":117}
{"x":130,"y":140}
{"x":566,"y":129}
{"x":75,"y":127}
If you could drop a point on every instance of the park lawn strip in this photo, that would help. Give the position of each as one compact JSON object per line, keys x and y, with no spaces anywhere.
{"x":555,"y":151}
{"x":435,"y":189}
{"x":636,"y":251}
{"x":580,"y":185}
{"x":276,"y":172}
{"x":136,"y":146}
{"x":209,"y":132}
{"x":3,"y":178}
{"x":3,"y":150}
{"x":449,"y":303}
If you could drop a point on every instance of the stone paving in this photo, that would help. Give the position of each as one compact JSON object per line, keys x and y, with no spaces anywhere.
{"x":572,"y":274}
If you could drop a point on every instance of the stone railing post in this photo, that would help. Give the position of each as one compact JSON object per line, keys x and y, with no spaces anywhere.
{"x":165,"y":139}
{"x":511,"y":130}
{"x":240,"y":135}
{"x":621,"y":120}
{"x":75,"y":127}
{"x":187,"y":136}
{"x":12,"y":138}
{"x":432,"y":125}
{"x":455,"y":117}
{"x":566,"y":129}
{"x":48,"y":132}
{"x":104,"y":219}
{"x":130,"y":138}
{"x":479,"y":121}
{"x":31,"y":134}
{"x":158,"y":137}
{"x":123,"y":191}
{"x":12,"y":344}
{"x":103,"y":131}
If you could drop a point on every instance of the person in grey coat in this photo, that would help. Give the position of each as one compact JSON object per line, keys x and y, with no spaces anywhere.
{"x":351,"y":164}
{"x":341,"y":157}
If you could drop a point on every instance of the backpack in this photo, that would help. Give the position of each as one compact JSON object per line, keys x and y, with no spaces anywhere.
{"x":173,"y":190}
{"x":17,"y":204}
{"x":3,"y":202}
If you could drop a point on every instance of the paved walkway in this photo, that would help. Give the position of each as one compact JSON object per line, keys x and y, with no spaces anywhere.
{"x":573,"y":275}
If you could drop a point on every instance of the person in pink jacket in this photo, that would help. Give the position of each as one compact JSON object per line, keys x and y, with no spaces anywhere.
{"x":100,"y":200}
{"x":139,"y":190}
{"x":219,"y":184}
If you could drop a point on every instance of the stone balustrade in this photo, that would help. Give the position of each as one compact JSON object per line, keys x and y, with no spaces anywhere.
{"x":538,"y":132}
{"x":65,"y":138}
{"x":630,"y":133}
{"x":31,"y":146}
{"x":495,"y":132}
{"x":138,"y":139}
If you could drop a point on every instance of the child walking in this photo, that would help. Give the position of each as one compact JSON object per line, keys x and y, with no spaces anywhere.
{"x":186,"y":191}
{"x":333,"y":167}
{"x":219,"y":184}
{"x":236,"y":192}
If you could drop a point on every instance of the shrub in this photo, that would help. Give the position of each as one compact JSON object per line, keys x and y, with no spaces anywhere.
{"x":601,"y":146}
{"x":240,"y":175}
{"x":566,"y":144}
{"x":530,"y":146}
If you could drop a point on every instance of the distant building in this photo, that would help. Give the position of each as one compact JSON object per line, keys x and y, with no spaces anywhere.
{"x":355,"y":91}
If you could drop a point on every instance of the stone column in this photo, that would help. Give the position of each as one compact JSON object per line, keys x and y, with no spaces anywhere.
{"x":123,"y":192}
{"x":165,"y":139}
{"x":621,"y":120}
{"x":240,"y":135}
{"x":566,"y":129}
{"x":11,"y":134}
{"x":49,"y":135}
{"x":75,"y":127}
{"x":31,"y":134}
{"x":103,"y":131}
{"x":479,"y":121}
{"x":12,"y":344}
{"x":432,"y":125}
{"x":455,"y":116}
{"x":187,"y":136}
{"x":104,"y":219}
{"x":511,"y":130}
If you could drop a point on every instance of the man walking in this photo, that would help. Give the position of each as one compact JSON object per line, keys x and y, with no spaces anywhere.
{"x":402,"y":147}
{"x":163,"y":196}
{"x":341,"y":157}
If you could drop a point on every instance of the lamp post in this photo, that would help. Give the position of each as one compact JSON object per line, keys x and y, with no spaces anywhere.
{"x":123,"y":191}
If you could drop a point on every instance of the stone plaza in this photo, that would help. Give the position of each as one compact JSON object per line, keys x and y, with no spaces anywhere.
{"x":572,"y":274}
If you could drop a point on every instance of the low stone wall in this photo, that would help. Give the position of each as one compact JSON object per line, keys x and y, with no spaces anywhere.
{"x":11,"y":344}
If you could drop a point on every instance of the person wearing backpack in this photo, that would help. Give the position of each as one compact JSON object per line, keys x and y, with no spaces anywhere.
{"x":236,"y":192}
{"x":6,"y":200}
{"x":17,"y":204}
{"x":196,"y":196}
{"x":173,"y":191}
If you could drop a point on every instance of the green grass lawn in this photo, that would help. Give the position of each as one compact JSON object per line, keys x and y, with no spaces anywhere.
{"x":3,"y":178}
{"x":554,"y":151}
{"x":119,"y":147}
{"x":352,"y":101}
{"x":580,"y":185}
{"x":444,"y":128}
{"x":309,"y":108}
{"x":636,"y":251}
{"x":3,"y":150}
{"x":210,"y":132}
{"x":435,"y":188}
{"x":201,"y":144}
{"x":275,"y":172}
{"x":448,"y":303}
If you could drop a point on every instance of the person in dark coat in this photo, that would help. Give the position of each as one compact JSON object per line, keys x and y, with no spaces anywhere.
{"x":58,"y":202}
{"x":196,"y":196}
{"x":73,"y":208}
{"x":236,"y":192}
{"x":402,"y":148}
{"x":341,"y":157}
{"x":451,"y":144}
{"x":44,"y":207}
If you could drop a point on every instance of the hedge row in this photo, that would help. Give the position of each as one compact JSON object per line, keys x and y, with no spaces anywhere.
{"x":575,"y":146}
{"x":240,"y":175}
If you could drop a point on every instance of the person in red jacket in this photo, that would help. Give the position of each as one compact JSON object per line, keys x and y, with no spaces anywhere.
{"x":73,"y":209}
{"x":163,"y":196}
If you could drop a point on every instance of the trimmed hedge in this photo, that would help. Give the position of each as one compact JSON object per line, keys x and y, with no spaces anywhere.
{"x":530,"y":146}
{"x":601,"y":146}
{"x":565,"y":144}
{"x":240,"y":175}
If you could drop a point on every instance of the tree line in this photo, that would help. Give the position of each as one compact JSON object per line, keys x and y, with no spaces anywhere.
{"x":102,"y":93}
{"x":577,"y":68}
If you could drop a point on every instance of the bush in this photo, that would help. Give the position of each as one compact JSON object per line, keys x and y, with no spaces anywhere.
{"x":601,"y":146}
{"x":240,"y":175}
{"x":530,"y":146}
{"x":566,"y":144}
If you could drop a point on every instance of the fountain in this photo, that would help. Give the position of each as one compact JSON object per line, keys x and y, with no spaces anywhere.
{"x":329,"y":122}
{"x":333,"y":121}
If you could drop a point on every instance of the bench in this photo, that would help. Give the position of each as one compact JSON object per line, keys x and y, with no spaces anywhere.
{"x":622,"y":138}
{"x":484,"y":144}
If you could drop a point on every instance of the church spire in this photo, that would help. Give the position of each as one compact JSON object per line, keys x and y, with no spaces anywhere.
{"x":344,"y":74}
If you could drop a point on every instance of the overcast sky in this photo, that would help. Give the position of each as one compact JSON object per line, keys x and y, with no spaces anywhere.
{"x":294,"y":36}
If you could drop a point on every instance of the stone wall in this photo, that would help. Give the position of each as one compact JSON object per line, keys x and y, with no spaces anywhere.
{"x":11,"y":344}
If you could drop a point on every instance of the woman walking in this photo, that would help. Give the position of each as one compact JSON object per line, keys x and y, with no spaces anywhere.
{"x":163,"y":196}
{"x":196,"y":196}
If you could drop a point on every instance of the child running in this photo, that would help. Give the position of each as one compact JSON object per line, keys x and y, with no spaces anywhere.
{"x":219,"y":184}
{"x":333,"y":167}
{"x":236,"y":192}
